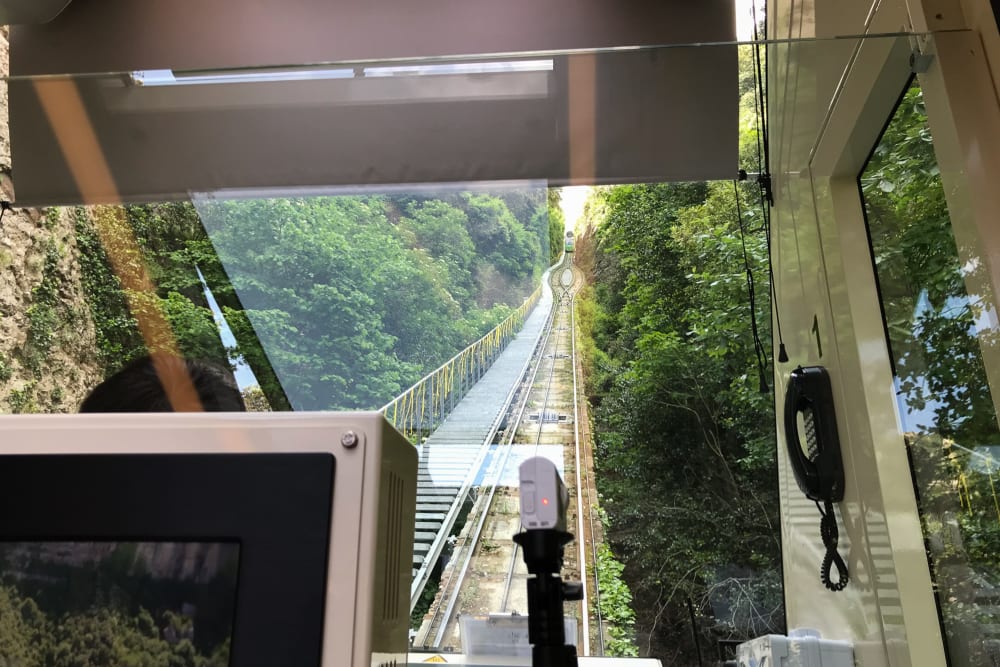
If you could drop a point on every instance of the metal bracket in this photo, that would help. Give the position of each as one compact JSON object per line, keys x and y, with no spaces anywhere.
{"x":762,"y":179}
{"x":920,"y":62}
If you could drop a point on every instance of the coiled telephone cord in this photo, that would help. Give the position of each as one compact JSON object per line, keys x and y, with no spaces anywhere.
{"x":828,"y":530}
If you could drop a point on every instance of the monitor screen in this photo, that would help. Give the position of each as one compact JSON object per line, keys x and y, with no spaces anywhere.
{"x":117,"y":603}
{"x":200,"y":560}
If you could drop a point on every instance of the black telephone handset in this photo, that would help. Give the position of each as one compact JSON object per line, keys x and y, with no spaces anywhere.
{"x":818,"y":468}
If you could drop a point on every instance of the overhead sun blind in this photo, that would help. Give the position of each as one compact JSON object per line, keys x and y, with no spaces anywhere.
{"x":178,"y":117}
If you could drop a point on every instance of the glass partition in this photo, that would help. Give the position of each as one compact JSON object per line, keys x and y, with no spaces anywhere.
{"x":938,"y":328}
{"x":336,"y":233}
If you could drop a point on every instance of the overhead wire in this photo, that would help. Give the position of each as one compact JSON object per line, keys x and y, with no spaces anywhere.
{"x":758,"y":346}
{"x":764,"y":166}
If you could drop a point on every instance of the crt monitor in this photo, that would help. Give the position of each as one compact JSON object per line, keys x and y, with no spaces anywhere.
{"x":214,"y":539}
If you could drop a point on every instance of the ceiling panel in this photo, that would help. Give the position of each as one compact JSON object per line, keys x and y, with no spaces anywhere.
{"x":631,"y":115}
{"x":124,"y":35}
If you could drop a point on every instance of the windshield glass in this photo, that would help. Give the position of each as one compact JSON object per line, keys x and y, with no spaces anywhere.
{"x":524,"y":248}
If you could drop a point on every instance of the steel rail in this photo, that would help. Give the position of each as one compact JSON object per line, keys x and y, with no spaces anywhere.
{"x":585,"y":621}
{"x":437,"y":546}
{"x":590,"y":498}
{"x":581,"y":542}
{"x":473,"y":541}
{"x":505,"y":599}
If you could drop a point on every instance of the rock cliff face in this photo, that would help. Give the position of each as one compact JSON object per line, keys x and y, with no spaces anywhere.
{"x":197,"y":562}
{"x":179,"y":561}
{"x":48,"y":357}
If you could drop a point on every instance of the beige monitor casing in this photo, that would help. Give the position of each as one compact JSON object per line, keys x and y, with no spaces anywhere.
{"x":371,"y":533}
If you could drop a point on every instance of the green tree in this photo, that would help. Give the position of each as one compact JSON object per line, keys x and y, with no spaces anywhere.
{"x":922,"y":282}
{"x":673,"y":319}
{"x":21,"y":624}
{"x":441,"y":229}
{"x":500,"y":239}
{"x":335,"y":302}
{"x":323,"y":282}
{"x":685,"y":439}
{"x":556,"y":224}
{"x":937,"y":331}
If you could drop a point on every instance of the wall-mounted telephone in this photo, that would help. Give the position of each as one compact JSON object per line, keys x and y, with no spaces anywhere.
{"x":816,"y":463}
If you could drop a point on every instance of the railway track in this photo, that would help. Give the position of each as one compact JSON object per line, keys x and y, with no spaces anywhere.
{"x":585,"y":485}
{"x":485,"y":573}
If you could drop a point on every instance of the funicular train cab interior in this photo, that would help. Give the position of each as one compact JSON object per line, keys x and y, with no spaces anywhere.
{"x":287,"y":186}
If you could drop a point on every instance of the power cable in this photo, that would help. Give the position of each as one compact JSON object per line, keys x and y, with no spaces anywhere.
{"x":761,"y":93}
{"x":782,"y":353}
{"x":764,"y":164}
{"x":759,"y":350}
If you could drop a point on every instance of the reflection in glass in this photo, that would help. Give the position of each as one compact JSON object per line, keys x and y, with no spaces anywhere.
{"x":317,"y":302}
{"x":936,"y":331}
{"x":115,"y":603}
{"x":355,"y":298}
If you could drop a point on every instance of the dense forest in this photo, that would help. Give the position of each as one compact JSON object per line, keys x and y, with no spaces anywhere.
{"x":684,"y":420}
{"x":112,"y":612}
{"x":684,"y":428}
{"x":334,"y":302}
{"x":684,"y":417}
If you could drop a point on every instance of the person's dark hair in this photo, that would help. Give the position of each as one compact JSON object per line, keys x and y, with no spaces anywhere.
{"x":147,"y":384}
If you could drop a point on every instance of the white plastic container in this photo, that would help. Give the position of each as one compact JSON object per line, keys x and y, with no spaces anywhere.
{"x":502,"y":635}
{"x":803,"y":647}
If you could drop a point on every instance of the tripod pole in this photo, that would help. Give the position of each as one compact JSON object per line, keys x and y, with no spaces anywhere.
{"x":543,"y":554}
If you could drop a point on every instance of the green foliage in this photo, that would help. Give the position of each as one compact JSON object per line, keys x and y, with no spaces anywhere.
{"x":334,"y":302}
{"x":672,"y":354}
{"x":424,"y":603}
{"x":937,"y":339}
{"x":556,"y":225}
{"x":616,"y":605}
{"x":22,"y":401}
{"x":313,"y":292}
{"x":106,"y":637}
{"x":598,"y":369}
{"x":111,"y":612}
{"x":44,"y":313}
{"x":118,"y":337}
{"x":922,"y":283}
{"x":353,"y":307}
{"x":173,"y":247}
{"x":961,"y":524}
{"x":173,"y":242}
{"x":18,"y":618}
{"x":51,"y":218}
{"x":200,"y":339}
{"x":6,"y":372}
{"x":441,"y":231}
{"x":507,"y":247}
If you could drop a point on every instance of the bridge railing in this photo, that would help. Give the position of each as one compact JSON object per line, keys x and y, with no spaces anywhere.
{"x":422,"y":407}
